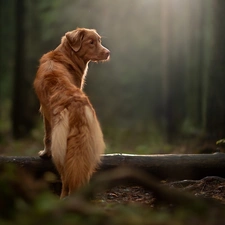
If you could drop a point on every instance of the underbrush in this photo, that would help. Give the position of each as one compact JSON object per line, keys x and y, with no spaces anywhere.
{"x":27,"y":201}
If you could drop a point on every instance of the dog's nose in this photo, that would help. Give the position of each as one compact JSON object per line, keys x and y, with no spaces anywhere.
{"x":107,"y":53}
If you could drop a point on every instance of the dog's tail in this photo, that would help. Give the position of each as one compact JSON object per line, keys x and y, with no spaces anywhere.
{"x":77,"y":149}
{"x":60,"y":133}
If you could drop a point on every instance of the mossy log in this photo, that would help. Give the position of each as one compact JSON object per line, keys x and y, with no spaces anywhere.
{"x":168,"y":166}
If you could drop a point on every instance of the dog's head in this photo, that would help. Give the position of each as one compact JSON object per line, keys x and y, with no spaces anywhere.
{"x":87,"y":44}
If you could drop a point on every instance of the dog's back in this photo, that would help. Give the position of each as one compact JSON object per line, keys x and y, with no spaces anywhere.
{"x":75,"y":134}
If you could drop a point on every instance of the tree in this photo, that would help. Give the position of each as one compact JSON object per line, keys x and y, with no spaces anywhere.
{"x":216,"y":107}
{"x":6,"y":63}
{"x":173,"y":64}
{"x":23,"y":97}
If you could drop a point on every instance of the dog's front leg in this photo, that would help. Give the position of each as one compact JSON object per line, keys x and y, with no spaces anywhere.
{"x":46,"y":153}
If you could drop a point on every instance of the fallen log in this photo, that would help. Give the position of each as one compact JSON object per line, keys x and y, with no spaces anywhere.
{"x":168,"y":166}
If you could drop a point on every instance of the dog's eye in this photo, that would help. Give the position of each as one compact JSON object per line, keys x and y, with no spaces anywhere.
{"x":91,"y":42}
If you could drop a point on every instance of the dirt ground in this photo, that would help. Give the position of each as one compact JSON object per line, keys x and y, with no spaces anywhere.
{"x":206,"y":188}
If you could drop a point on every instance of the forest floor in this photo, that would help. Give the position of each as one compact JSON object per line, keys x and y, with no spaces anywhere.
{"x":138,"y":205}
{"x":208,"y":188}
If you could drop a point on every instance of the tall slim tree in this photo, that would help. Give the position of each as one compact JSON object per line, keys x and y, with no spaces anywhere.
{"x":6,"y":63}
{"x":21,"y":114}
{"x":172,"y":58}
{"x":216,"y":106}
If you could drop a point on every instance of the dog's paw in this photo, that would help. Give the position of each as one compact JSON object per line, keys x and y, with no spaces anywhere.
{"x":44,"y":154}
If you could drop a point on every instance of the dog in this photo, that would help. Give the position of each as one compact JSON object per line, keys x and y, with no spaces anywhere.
{"x":73,"y":136}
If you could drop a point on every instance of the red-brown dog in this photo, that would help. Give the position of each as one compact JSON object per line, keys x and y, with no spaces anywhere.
{"x":73,"y":136}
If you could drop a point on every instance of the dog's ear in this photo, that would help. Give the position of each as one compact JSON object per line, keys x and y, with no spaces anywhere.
{"x":75,"y":39}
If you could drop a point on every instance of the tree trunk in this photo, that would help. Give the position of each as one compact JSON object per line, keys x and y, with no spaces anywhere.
{"x":165,"y":39}
{"x":22,"y":114}
{"x":216,"y":106}
{"x":172,"y":63}
{"x":207,"y":59}
{"x":19,"y":102}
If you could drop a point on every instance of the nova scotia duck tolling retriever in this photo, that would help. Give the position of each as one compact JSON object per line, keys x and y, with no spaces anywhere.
{"x":73,"y":137}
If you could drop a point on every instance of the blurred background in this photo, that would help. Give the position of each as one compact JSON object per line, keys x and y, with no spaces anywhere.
{"x":162,"y":90}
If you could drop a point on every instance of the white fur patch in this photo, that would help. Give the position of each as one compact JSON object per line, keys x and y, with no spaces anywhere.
{"x":59,"y":137}
{"x":89,"y":114}
{"x":97,"y":144}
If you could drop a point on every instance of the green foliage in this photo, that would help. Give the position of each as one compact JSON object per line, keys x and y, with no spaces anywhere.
{"x":221,"y":144}
{"x":222,"y":141}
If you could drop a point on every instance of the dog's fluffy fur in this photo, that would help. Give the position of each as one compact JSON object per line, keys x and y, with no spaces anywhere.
{"x":73,"y":136}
